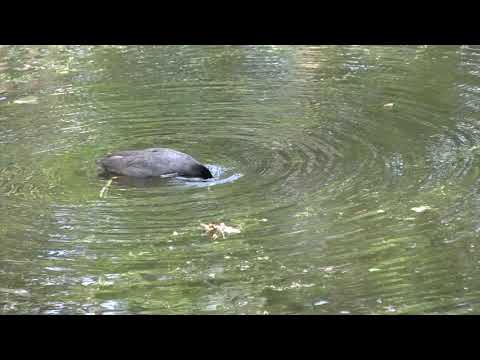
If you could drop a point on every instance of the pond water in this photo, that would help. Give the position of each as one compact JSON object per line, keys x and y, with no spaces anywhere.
{"x":352,"y":173}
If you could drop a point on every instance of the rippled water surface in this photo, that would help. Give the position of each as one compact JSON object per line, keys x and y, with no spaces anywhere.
{"x":351,"y":171}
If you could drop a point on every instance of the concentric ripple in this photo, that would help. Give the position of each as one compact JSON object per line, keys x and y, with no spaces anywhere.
{"x":351,"y":172}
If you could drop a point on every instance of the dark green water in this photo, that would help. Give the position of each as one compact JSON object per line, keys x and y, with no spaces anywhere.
{"x":345,"y":205}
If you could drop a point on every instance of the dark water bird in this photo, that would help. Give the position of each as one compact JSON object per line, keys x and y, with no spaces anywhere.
{"x":153,"y":162}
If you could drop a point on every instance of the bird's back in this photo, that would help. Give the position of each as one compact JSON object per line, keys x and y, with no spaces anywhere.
{"x":149,"y":162}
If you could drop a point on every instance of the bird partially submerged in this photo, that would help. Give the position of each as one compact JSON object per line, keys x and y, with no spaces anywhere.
{"x":153,"y":162}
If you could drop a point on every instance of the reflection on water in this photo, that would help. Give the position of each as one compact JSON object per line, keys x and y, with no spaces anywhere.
{"x":352,"y":172}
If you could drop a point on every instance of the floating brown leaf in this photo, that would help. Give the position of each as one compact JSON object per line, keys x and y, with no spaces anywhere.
{"x":214,"y":230}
